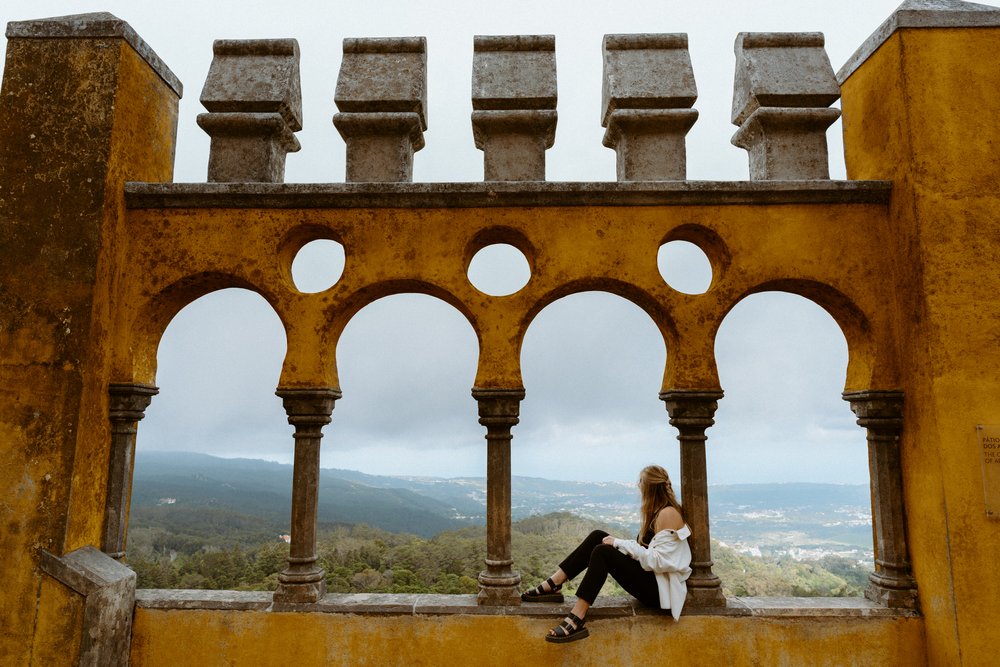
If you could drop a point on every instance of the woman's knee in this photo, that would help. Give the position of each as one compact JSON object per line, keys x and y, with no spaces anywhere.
{"x":597,"y":535}
{"x":602,"y":552}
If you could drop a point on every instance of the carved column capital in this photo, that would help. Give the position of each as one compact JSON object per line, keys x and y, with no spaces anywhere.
{"x":691,"y":408}
{"x":878,"y":409}
{"x":308,"y":407}
{"x":128,"y":401}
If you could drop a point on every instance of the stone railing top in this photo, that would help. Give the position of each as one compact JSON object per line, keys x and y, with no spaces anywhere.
{"x":422,"y":604}
{"x":923,"y":14}
{"x":497,"y":194}
{"x":95,"y":25}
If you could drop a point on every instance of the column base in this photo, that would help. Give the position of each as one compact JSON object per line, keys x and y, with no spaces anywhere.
{"x":892,"y":593}
{"x":299,"y":592}
{"x":499,"y":590}
{"x":705,"y":593}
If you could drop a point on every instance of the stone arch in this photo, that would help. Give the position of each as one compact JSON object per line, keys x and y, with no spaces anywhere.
{"x":638,"y":420}
{"x":322,"y":348}
{"x":647,"y":302}
{"x":152,"y":316}
{"x":854,"y":324}
{"x":418,"y":390}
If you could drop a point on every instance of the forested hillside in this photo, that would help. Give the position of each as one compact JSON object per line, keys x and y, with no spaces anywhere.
{"x":361,"y":559}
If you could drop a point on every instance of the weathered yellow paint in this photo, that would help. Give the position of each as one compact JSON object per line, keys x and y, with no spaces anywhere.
{"x":178,"y":638}
{"x":180,"y":254}
{"x":58,"y":633}
{"x":77,"y":118}
{"x":922,"y":111}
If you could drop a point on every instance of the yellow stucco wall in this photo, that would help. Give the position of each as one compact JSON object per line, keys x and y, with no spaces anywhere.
{"x":71,"y":133}
{"x":812,"y":249}
{"x":922,"y":111}
{"x":179,"y":638}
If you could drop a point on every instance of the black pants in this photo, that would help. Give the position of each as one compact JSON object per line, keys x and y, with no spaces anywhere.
{"x":600,"y":560}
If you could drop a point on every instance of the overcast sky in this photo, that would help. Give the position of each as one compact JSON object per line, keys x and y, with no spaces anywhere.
{"x":592,"y":363}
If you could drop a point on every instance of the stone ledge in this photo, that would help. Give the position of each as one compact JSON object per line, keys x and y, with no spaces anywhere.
{"x":500,"y":194}
{"x":388,"y":604}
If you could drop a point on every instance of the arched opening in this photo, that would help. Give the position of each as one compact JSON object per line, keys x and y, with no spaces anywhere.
{"x":787,"y":463}
{"x":592,"y":364}
{"x":209,"y":498}
{"x":406,"y":451}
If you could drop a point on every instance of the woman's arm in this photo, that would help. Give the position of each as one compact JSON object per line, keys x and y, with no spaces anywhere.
{"x":668,"y":552}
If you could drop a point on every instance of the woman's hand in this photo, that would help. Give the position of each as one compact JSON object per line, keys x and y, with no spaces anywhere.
{"x":609,"y":540}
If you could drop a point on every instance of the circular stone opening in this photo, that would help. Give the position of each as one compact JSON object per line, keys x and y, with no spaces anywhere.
{"x":499,"y":270}
{"x":685,"y":267}
{"x":318,"y":266}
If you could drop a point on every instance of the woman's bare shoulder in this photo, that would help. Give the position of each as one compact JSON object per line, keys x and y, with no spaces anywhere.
{"x":668,"y":518}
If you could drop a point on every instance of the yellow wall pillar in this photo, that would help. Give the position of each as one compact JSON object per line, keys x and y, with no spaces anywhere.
{"x":102,"y":110}
{"x":920,"y":107}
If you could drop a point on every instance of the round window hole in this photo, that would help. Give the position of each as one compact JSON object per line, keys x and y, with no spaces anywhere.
{"x":499,"y":269}
{"x":318,"y":266}
{"x":685,"y":267}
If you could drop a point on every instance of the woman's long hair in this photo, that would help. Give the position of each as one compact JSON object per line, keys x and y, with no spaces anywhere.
{"x":657,"y":493}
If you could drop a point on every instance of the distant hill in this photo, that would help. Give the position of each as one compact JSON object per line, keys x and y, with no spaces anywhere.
{"x":170,"y":486}
{"x":166,"y":483}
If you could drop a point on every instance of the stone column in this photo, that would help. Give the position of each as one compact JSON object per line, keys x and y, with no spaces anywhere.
{"x":382,"y":96}
{"x":254,"y":100}
{"x":127,"y":405}
{"x":499,"y":584}
{"x":881,"y":414}
{"x":784,"y":83}
{"x":514,"y":104}
{"x":648,"y":92}
{"x":308,"y":411}
{"x":692,"y":412}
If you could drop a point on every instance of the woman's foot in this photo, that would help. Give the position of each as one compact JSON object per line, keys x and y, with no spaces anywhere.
{"x":547,"y":591}
{"x":569,"y":630}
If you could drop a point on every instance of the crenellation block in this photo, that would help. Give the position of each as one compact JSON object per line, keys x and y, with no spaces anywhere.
{"x":514,"y":72}
{"x":384,"y":75}
{"x":781,"y":69}
{"x":382,"y":96}
{"x":782,"y":90}
{"x":254,"y":101}
{"x":514,"y":99}
{"x":647,"y":95}
{"x":647,"y":71}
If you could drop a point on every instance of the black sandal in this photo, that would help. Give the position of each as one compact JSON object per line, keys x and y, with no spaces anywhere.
{"x":565,"y":632}
{"x":539,"y":594}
